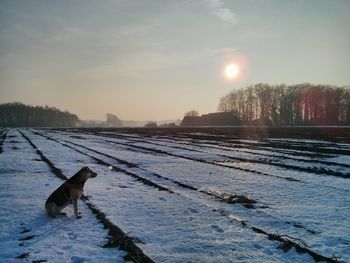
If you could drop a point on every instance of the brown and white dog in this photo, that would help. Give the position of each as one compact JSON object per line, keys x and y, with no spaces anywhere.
{"x":68,"y":193}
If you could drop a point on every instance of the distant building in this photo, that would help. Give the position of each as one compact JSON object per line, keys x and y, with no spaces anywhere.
{"x":92,"y":123}
{"x":212,"y":119}
{"x":151,"y":124}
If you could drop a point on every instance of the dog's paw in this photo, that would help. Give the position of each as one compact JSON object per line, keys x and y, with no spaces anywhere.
{"x":79,"y":216}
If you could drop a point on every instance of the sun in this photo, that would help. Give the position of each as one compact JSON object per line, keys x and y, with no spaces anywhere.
{"x":231,"y":71}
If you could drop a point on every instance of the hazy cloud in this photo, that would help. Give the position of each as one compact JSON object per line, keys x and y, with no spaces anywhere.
{"x":223,"y":12}
{"x":64,"y":34}
{"x":123,"y":53}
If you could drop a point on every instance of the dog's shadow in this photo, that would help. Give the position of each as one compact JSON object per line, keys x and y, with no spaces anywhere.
{"x":43,"y":227}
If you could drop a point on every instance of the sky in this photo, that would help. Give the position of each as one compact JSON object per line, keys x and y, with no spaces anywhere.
{"x":157,"y":59}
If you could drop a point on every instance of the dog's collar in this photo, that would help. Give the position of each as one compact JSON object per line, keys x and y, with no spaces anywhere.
{"x":74,"y":186}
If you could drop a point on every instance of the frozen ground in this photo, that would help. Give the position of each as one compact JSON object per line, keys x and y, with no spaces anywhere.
{"x":177,"y":197}
{"x":25,"y":230}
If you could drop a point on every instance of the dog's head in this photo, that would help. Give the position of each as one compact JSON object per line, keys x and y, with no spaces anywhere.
{"x":88,"y":173}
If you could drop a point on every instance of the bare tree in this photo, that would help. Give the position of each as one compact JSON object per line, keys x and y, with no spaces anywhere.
{"x":302,"y":104}
{"x":113,"y":121}
{"x":151,"y":124}
{"x":192,"y":113}
{"x":20,"y":115}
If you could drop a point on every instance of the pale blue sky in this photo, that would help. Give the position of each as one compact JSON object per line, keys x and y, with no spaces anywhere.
{"x":152,"y":60}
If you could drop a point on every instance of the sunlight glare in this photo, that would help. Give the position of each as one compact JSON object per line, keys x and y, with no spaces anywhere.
{"x":231,"y":71}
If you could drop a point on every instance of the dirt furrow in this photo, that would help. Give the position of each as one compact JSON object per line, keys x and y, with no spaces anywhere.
{"x":232,"y":149}
{"x":162,"y":152}
{"x":315,"y":170}
{"x":2,"y":138}
{"x":225,"y":197}
{"x":229,"y":134}
{"x":116,"y":237}
{"x":221,"y":196}
{"x":114,"y":167}
{"x":286,"y":242}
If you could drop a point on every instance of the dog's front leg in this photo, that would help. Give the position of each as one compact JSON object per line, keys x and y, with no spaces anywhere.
{"x":75,"y":205}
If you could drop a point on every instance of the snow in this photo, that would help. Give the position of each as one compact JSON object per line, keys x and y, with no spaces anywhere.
{"x":183,"y":226}
{"x":26,"y":182}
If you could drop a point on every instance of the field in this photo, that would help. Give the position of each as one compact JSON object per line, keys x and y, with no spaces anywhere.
{"x":178,"y":195}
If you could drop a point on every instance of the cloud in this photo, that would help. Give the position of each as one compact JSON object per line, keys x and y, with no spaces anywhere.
{"x":223,"y":12}
{"x":65,"y":34}
{"x":131,"y":65}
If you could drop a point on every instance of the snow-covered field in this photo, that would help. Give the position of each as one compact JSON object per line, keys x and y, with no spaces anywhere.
{"x":182,"y":197}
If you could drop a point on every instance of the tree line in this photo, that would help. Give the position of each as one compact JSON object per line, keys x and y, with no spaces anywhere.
{"x":20,"y":115}
{"x":302,"y":104}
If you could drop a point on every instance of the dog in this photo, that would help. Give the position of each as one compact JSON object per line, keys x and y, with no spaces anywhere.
{"x":68,"y":193}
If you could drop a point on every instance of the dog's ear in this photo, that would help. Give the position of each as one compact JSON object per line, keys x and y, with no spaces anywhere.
{"x":85,"y":169}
